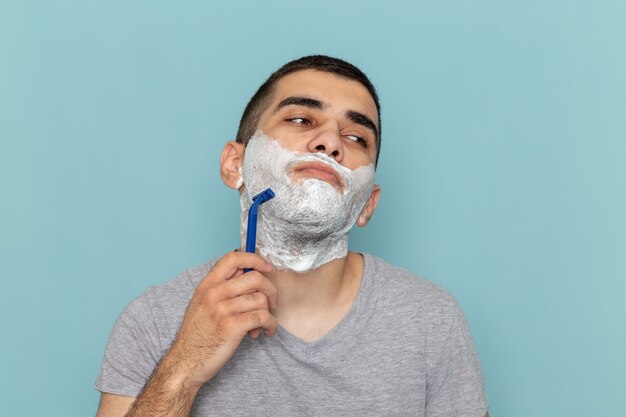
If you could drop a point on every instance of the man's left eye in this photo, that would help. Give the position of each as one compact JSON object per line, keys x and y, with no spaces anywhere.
{"x":357,"y":139}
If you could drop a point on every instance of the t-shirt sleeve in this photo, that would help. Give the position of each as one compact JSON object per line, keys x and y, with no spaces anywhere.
{"x":132,"y":351}
{"x":455,"y":383}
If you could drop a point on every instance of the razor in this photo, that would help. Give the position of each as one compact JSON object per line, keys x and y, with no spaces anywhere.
{"x":253,"y":212}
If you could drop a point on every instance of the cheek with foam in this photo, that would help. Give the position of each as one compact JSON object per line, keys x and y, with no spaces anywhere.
{"x":239,"y":183}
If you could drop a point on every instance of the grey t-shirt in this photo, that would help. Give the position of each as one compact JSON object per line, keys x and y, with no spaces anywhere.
{"x":404,"y":349}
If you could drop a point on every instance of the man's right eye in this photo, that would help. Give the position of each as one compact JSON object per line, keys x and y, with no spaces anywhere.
{"x":299,"y":120}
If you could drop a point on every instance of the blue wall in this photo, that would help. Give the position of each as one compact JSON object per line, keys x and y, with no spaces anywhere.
{"x":502,"y":172}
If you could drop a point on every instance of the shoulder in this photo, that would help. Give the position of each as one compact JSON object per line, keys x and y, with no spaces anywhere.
{"x":164,"y":305}
{"x":180,"y":287}
{"x":425,"y":315}
{"x":410,"y":296}
{"x":402,"y":284}
{"x":144,"y":331}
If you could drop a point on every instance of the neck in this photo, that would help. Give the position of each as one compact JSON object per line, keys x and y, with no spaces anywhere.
{"x":311,"y":303}
{"x":316,"y":277}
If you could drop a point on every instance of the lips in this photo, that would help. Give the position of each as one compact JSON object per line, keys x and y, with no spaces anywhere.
{"x":320,"y":171}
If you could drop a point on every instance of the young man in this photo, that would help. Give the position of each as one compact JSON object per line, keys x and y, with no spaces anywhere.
{"x":312,"y":329}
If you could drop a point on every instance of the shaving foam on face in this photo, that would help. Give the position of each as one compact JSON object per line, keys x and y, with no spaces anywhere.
{"x":306,"y":225}
{"x":239,"y":183}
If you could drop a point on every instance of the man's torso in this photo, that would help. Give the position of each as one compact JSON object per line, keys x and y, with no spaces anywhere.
{"x":376,"y":361}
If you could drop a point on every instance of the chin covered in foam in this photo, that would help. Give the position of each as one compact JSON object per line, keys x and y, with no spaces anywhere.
{"x":306,"y":225}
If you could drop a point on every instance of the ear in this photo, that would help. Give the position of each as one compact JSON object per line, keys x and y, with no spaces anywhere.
{"x":370,"y":207}
{"x":231,"y":162}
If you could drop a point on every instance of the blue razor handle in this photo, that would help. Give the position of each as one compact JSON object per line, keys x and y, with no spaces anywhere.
{"x":253,"y":212}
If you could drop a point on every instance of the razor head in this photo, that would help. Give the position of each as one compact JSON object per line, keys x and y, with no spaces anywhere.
{"x":263,"y":196}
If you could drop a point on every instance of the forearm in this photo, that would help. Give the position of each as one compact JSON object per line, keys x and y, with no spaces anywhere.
{"x":226,"y":305}
{"x":166,"y":394}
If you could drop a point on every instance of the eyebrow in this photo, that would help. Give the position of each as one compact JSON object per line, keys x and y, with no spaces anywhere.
{"x":300,"y":101}
{"x":363,"y":120}
{"x":312,"y":103}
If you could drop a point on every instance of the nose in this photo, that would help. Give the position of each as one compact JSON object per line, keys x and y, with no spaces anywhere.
{"x":327,"y":140}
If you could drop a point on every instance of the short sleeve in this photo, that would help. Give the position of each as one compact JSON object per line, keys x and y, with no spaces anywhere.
{"x":455,"y":384}
{"x":132,"y":352}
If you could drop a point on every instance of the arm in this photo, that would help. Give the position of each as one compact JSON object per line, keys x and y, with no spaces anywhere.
{"x":226,"y":305}
{"x":112,"y":405}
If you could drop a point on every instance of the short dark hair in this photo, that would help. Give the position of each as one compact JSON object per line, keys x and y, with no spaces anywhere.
{"x":261,"y":99}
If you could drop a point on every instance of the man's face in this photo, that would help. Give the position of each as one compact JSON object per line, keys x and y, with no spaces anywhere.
{"x":317,"y":152}
{"x":311,"y":113}
{"x":314,"y":111}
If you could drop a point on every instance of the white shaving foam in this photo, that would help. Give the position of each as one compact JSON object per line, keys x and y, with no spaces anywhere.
{"x":239,"y":183}
{"x":306,"y":225}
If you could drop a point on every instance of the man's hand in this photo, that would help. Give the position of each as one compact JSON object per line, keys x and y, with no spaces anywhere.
{"x":226,"y":305}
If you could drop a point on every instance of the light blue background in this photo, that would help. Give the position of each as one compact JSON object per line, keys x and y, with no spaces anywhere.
{"x":502,"y":172}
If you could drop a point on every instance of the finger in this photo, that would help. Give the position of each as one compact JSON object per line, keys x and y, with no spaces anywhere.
{"x":254,"y":333}
{"x":230,"y":265}
{"x":251,"y":282}
{"x":242,"y":304}
{"x":266,"y":320}
{"x":256,"y":319}
{"x":239,"y":272}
